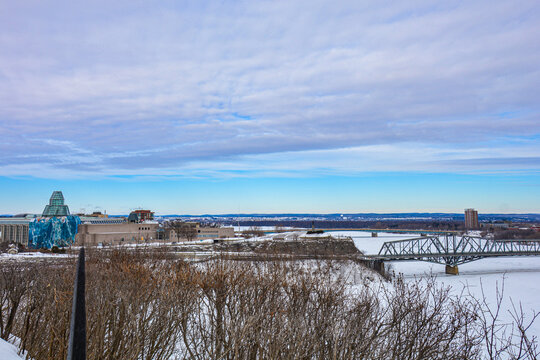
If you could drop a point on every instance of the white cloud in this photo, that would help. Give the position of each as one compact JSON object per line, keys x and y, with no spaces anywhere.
{"x":124,"y":88}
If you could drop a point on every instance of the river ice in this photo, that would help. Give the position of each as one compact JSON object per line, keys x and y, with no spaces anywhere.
{"x":519,"y":275}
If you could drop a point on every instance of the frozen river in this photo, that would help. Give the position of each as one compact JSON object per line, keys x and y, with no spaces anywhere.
{"x":520,"y":275}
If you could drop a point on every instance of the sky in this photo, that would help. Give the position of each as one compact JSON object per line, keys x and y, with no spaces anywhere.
{"x":212,"y":107}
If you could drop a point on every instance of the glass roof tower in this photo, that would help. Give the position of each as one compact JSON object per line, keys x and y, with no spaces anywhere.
{"x":56,"y":206}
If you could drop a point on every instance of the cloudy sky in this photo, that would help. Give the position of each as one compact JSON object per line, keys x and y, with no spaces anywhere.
{"x":270,"y":106}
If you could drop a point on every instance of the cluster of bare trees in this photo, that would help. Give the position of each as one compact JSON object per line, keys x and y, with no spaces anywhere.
{"x":146,"y":306}
{"x":181,"y":229}
{"x":252,"y":231}
{"x":524,"y":234}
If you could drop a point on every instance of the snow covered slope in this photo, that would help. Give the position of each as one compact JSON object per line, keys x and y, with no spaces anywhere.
{"x":8,"y":351}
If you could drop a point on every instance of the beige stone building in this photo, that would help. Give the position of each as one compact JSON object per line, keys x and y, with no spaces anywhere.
{"x":471,"y":219}
{"x":116,"y":233}
{"x":14,"y":230}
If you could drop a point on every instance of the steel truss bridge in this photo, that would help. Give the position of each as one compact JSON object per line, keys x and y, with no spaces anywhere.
{"x":452,"y":250}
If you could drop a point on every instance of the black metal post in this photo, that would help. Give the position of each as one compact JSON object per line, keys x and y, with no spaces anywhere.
{"x":77,"y":332}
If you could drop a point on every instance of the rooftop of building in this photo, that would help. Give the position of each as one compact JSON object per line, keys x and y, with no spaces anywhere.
{"x":56,"y":206}
{"x":15,"y":221}
{"x":99,"y":220}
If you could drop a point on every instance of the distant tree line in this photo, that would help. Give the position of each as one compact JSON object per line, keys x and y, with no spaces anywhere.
{"x":349,"y":224}
{"x":516,"y":234}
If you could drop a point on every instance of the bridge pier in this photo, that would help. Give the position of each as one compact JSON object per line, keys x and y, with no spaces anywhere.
{"x":378,"y":265}
{"x":452,"y":270}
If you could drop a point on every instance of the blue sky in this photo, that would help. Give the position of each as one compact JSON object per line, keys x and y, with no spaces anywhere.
{"x":272,"y":106}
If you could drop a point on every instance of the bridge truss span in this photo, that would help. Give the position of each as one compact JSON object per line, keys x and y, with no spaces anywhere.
{"x":454,"y":250}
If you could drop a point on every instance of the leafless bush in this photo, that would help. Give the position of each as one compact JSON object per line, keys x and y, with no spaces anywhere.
{"x":253,"y":231}
{"x":143,"y":305}
{"x":501,"y":339}
{"x":133,"y":309}
{"x":14,"y":287}
{"x":43,"y":320}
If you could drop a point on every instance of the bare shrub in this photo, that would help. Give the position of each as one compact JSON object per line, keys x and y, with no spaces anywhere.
{"x":13,"y":288}
{"x":43,"y":320}
{"x":253,"y":231}
{"x":145,"y":305}
{"x":500,"y":339}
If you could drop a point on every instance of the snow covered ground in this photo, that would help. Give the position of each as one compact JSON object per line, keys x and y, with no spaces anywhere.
{"x":520,"y":275}
{"x":8,"y":351}
{"x":32,"y":255}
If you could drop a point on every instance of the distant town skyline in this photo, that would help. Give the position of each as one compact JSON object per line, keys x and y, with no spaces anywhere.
{"x":271,"y":107}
